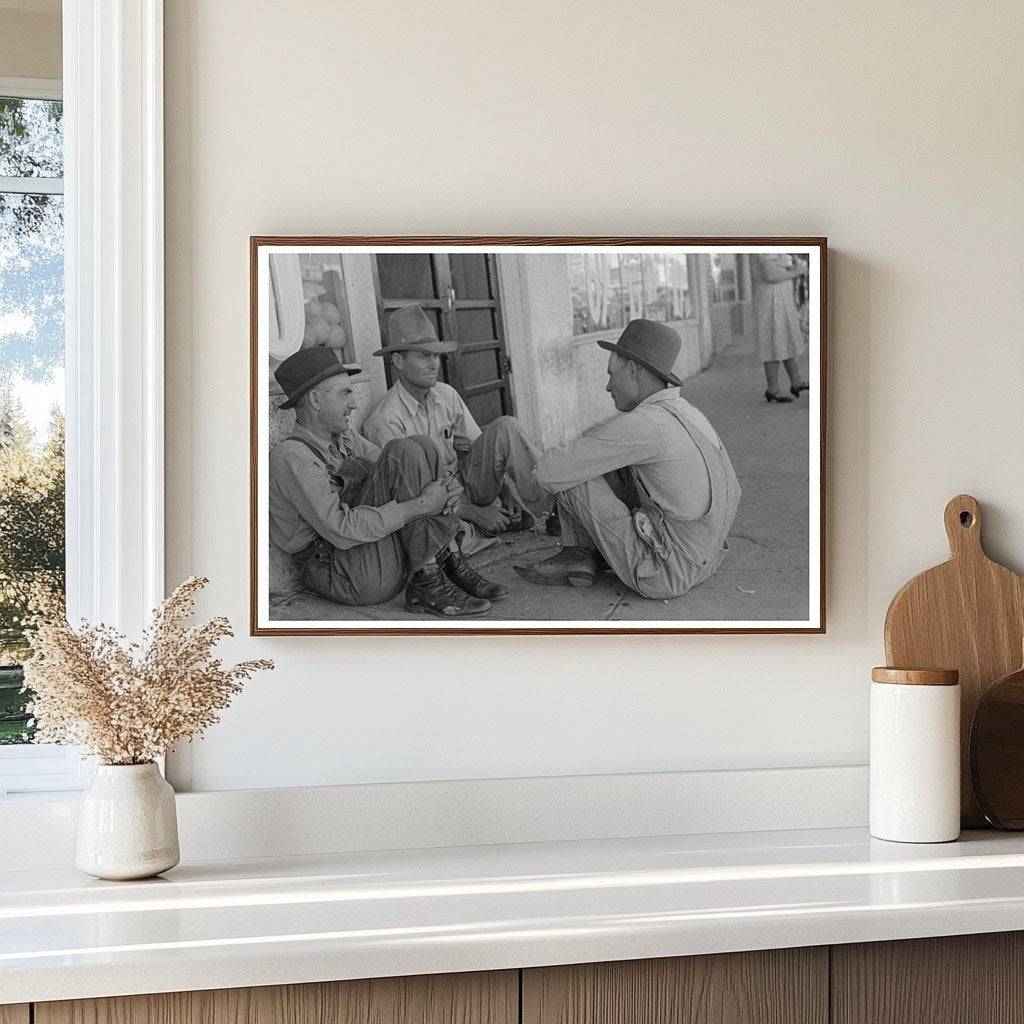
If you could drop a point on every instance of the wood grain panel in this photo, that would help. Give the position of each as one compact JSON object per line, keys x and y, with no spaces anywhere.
{"x":778,"y":986}
{"x":962,"y":979}
{"x":480,"y":998}
{"x":14,"y":1013}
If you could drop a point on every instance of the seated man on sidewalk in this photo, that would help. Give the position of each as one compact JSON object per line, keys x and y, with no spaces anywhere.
{"x":487,"y":462}
{"x":360,"y":522}
{"x":651,"y":490}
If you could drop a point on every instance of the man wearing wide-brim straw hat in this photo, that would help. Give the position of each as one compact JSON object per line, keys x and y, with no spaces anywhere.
{"x":359,"y":521}
{"x":651,"y":491}
{"x":495,"y":464}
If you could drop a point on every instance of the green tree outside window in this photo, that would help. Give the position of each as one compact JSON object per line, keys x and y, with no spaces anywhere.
{"x":32,"y":500}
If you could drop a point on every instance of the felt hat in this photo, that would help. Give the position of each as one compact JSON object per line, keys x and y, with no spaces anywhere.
{"x":653,"y":345}
{"x":410,"y":328}
{"x":306,"y":368}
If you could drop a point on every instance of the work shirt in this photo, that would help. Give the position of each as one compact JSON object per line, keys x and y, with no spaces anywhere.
{"x":304,"y":499}
{"x":442,"y":416}
{"x":650,"y":440}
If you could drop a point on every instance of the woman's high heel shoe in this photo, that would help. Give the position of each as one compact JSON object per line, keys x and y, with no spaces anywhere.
{"x":774,"y":396}
{"x":796,"y":389}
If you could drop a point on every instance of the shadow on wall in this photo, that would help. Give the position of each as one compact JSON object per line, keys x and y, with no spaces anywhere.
{"x":855,"y":288}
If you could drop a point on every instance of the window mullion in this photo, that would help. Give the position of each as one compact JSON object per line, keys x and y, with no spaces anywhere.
{"x":32,"y":186}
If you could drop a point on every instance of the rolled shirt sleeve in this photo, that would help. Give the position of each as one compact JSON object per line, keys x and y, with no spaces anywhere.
{"x":621,"y":441}
{"x":465,"y":427}
{"x":306,"y":484}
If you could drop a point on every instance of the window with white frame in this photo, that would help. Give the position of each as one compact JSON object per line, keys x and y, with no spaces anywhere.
{"x":32,"y":482}
{"x":110,"y":214}
{"x":32,"y":470}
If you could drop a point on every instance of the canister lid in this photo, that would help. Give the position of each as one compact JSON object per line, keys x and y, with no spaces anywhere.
{"x":916,"y":676}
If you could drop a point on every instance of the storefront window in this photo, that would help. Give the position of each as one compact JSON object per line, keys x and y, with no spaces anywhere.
{"x":610,"y":289}
{"x":727,"y":277}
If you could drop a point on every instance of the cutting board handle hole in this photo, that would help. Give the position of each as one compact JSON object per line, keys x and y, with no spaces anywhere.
{"x":966,"y":519}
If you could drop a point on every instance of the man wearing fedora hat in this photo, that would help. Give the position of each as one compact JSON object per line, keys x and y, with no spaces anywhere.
{"x":359,"y":521}
{"x":495,"y":465}
{"x":652,"y":490}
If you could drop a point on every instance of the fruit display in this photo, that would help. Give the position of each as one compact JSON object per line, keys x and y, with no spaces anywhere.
{"x":323,"y":325}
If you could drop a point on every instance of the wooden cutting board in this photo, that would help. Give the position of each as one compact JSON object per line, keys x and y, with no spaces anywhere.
{"x":967,"y":614}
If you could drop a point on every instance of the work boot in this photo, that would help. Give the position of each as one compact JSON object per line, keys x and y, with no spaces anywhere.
{"x":571,"y":567}
{"x":466,"y":578}
{"x":429,"y":590}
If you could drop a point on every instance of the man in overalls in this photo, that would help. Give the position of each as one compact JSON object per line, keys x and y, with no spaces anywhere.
{"x":360,"y":522}
{"x":651,"y":491}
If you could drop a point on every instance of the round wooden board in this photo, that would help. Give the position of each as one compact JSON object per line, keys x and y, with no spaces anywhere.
{"x":997,"y":752}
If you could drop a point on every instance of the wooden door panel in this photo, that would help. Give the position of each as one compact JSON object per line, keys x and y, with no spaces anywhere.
{"x":407,"y":276}
{"x":960,"y":979}
{"x":479,"y":998}
{"x":471,"y":275}
{"x":779,"y":986}
{"x":14,"y":1013}
{"x":482,"y":361}
{"x":476,"y":326}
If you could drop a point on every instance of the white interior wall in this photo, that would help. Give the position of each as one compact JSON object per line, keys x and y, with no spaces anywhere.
{"x":894,"y":129}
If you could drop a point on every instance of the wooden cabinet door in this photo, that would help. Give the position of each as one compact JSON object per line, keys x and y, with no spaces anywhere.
{"x":14,"y":1013}
{"x":960,"y":979}
{"x":778,"y":986}
{"x":480,"y":998}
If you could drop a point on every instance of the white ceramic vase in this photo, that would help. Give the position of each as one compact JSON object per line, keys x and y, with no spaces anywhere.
{"x":127,"y":825}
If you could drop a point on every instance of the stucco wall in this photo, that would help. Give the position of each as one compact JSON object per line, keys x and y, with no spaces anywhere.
{"x":695,"y":118}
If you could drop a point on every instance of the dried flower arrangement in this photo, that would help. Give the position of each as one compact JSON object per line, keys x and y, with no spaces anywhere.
{"x":130,"y":703}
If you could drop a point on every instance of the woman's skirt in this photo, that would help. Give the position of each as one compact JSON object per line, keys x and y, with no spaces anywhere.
{"x":778,"y":324}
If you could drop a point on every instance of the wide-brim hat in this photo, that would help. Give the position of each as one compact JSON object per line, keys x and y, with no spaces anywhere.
{"x":409,"y":328}
{"x":306,"y":368}
{"x":653,"y":345}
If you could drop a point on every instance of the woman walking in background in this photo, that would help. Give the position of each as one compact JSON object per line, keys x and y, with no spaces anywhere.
{"x":779,"y":337}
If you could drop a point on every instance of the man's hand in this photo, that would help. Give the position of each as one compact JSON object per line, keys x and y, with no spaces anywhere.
{"x":431,"y":501}
{"x":490,"y":518}
{"x":454,"y":495}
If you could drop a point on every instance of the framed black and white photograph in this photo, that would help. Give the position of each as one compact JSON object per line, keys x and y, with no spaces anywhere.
{"x":537,"y":435}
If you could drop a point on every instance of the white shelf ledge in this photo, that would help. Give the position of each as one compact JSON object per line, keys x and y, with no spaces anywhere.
{"x":355,"y":915}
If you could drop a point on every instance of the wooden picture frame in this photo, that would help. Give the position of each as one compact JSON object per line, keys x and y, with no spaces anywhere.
{"x":540,"y":365}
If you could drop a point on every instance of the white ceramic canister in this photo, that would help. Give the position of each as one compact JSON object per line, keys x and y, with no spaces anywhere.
{"x":915,"y":755}
{"x":127,"y":824}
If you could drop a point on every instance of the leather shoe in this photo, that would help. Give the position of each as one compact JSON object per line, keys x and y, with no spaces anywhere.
{"x":571,"y":567}
{"x":466,"y":578}
{"x":429,"y":590}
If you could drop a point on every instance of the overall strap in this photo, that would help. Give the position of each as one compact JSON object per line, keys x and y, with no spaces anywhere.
{"x":692,"y":426}
{"x":712,"y":453}
{"x":315,"y":451}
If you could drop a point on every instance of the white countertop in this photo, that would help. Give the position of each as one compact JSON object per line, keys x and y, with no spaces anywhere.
{"x":262,"y":922}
